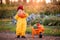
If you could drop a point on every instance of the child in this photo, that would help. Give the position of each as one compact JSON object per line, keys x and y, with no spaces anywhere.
{"x":21,"y":22}
{"x":39,"y":29}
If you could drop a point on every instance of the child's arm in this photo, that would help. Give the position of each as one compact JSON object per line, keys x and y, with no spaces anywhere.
{"x":16,"y":16}
{"x":27,"y":15}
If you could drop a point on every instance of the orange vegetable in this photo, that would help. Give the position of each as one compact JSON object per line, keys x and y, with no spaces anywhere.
{"x":22,"y":15}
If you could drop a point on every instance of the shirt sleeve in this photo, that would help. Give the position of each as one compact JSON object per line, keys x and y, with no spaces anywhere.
{"x":16,"y":16}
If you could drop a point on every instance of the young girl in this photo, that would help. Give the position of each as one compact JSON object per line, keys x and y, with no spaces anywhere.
{"x":21,"y":22}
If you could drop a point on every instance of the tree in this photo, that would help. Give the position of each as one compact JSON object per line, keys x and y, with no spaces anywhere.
{"x":1,"y":1}
{"x":7,"y":1}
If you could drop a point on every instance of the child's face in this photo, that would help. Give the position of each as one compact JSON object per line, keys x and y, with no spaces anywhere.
{"x":38,"y":24}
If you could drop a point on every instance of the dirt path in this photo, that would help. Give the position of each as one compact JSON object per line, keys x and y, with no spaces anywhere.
{"x":12,"y":36}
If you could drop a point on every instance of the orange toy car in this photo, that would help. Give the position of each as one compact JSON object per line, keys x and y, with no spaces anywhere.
{"x":39,"y":30}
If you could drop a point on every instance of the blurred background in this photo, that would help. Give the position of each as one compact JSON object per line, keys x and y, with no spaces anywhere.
{"x":45,"y":11}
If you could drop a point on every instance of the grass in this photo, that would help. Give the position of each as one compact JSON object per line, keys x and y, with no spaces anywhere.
{"x":49,"y":30}
{"x":52,"y":30}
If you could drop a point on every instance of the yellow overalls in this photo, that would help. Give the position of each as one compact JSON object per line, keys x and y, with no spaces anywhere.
{"x":21,"y":25}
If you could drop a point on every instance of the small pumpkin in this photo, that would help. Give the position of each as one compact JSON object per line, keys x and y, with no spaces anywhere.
{"x":22,"y":15}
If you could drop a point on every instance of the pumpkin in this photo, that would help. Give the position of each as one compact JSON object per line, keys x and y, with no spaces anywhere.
{"x":22,"y":15}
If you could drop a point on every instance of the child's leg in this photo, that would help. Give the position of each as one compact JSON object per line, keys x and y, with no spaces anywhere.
{"x":17,"y":34}
{"x":33,"y":32}
{"x":18,"y":31}
{"x":23,"y":30}
{"x":40,"y":35}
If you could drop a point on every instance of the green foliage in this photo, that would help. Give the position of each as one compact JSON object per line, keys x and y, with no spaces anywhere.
{"x":7,"y":5}
{"x":52,"y":30}
{"x":51,"y":22}
{"x":28,"y":30}
{"x":46,"y":12}
{"x":7,"y":13}
{"x":7,"y":26}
